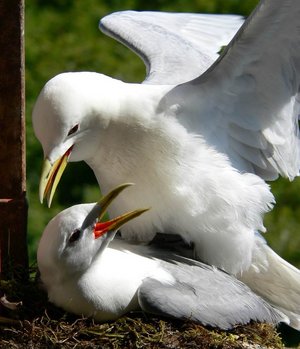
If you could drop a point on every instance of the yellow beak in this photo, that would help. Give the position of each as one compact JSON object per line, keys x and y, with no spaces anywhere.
{"x":114,"y":224}
{"x":50,"y":176}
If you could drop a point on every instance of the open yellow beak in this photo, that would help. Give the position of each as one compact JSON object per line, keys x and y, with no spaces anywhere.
{"x":50,"y":176}
{"x":114,"y":224}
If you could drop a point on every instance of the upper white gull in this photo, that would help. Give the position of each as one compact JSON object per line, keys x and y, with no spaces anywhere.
{"x":87,"y":272}
{"x":199,"y":144}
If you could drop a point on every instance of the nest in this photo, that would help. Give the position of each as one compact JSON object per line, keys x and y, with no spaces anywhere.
{"x":28,"y":320}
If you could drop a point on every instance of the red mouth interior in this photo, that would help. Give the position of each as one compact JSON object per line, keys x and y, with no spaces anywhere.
{"x":102,"y":228}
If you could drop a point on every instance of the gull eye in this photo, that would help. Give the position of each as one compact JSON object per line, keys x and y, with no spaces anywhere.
{"x":75,"y":236}
{"x":73,"y":130}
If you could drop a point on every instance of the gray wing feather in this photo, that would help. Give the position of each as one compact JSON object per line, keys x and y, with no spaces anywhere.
{"x":207,"y":295}
{"x":175,"y":47}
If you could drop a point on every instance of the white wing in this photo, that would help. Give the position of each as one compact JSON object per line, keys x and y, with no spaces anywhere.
{"x":246,"y":105}
{"x":167,"y":41}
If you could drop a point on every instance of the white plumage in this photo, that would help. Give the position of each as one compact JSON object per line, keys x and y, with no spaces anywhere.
{"x":105,"y":278}
{"x":198,"y":151}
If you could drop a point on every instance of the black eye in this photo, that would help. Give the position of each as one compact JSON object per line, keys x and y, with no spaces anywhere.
{"x":73,"y":130}
{"x":75,"y":236}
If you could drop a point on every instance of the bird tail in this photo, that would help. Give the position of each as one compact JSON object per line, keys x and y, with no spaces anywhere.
{"x":275,"y":280}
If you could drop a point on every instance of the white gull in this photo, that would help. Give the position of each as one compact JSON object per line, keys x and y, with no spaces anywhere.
{"x":87,"y":272}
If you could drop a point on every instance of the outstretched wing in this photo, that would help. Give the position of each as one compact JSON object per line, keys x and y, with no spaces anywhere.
{"x":247,"y":104}
{"x":175,"y":47}
{"x":207,"y":295}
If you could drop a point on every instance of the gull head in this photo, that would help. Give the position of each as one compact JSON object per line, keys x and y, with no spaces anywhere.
{"x":68,"y":117}
{"x":77,"y":236}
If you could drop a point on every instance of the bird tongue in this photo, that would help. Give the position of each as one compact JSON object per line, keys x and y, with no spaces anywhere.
{"x":114,"y":224}
{"x":102,"y":228}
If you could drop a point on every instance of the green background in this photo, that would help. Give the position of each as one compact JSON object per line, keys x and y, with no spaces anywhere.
{"x":63,"y":35}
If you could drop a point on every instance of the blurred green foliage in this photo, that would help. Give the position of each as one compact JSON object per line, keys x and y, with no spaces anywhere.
{"x":63,"y":35}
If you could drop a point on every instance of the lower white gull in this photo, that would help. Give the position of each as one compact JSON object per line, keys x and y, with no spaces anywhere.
{"x":87,"y":272}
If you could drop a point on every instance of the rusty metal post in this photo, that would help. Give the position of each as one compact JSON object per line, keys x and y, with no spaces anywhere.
{"x":13,"y":205}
